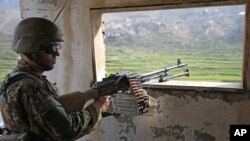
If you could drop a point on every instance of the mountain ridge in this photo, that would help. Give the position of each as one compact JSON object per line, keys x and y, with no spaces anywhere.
{"x":181,"y":27}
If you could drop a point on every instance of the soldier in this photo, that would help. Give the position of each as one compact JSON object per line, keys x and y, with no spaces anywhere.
{"x":29,"y":102}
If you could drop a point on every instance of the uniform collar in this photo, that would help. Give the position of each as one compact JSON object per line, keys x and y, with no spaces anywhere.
{"x":22,"y":66}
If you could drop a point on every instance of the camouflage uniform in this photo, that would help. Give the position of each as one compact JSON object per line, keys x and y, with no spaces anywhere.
{"x":31,"y":105}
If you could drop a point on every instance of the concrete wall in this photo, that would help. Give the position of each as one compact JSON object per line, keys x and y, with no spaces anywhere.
{"x":176,"y":114}
{"x":75,"y":61}
{"x":179,"y":116}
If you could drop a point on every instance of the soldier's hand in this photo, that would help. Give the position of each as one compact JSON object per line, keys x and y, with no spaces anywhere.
{"x":102,"y":103}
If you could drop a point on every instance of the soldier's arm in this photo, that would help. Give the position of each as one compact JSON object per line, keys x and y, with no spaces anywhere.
{"x":48,"y":114}
{"x":74,"y":101}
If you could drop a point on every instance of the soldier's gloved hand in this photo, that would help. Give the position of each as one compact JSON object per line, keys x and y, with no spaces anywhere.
{"x":102,"y":103}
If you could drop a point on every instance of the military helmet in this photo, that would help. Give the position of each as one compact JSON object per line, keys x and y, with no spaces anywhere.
{"x":32,"y":32}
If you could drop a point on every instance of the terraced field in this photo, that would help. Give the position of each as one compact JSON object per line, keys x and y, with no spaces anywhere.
{"x":218,"y":64}
{"x":8,"y":59}
{"x":222,"y":64}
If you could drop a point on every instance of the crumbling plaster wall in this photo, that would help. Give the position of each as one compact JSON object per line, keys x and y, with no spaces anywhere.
{"x":176,"y":115}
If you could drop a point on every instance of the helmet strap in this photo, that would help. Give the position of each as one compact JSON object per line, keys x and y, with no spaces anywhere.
{"x":34,"y":58}
{"x":29,"y":55}
{"x":36,"y":67}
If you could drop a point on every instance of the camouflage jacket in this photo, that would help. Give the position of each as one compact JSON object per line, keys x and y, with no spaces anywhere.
{"x":29,"y":104}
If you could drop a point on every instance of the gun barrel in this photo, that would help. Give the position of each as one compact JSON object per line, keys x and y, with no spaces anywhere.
{"x":165,"y":70}
{"x":178,"y":66}
{"x":174,"y":76}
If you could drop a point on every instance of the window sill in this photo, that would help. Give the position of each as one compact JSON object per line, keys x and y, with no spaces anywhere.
{"x":215,"y":86}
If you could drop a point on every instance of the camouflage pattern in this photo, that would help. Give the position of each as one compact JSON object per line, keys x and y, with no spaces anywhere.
{"x":30,"y":105}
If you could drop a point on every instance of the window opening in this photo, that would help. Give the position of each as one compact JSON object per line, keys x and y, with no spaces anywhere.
{"x":209,"y":39}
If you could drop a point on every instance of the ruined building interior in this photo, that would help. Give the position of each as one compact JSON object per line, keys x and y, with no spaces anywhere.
{"x":190,"y":112}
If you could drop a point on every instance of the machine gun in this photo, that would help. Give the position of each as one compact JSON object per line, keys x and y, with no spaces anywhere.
{"x":125,"y":82}
{"x":129,"y":97}
{"x":120,"y":81}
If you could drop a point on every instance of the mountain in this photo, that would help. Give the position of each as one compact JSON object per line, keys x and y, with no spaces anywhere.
{"x":9,"y":17}
{"x":177,"y":27}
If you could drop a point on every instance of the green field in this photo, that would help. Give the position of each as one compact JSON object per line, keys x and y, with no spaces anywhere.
{"x":217,"y":64}
{"x":8,"y":59}
{"x":221,"y":64}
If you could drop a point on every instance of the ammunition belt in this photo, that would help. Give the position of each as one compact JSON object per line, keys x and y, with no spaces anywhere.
{"x":141,"y":96}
